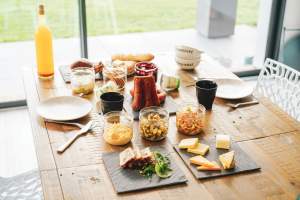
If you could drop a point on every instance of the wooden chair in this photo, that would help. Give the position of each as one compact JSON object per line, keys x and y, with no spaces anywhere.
{"x":281,"y":84}
{"x":24,"y":186}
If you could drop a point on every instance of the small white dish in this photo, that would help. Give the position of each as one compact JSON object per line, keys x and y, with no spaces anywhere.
{"x":64,"y":108}
{"x":233,"y":89}
{"x":187,"y":53}
{"x":187,"y":64}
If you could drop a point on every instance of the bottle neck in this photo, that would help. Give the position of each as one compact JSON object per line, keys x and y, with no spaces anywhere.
{"x":41,"y":19}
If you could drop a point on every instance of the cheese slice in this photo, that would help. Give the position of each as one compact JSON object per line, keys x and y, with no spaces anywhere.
{"x":188,"y":143}
{"x":222,"y":141}
{"x":200,"y":160}
{"x":200,"y":149}
{"x":216,"y":167}
{"x":227,"y":160}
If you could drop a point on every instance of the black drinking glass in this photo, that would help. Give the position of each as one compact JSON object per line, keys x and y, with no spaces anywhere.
{"x":111,"y":101}
{"x":206,"y":91}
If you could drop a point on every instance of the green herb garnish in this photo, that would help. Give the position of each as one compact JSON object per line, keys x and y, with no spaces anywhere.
{"x":161,"y":167}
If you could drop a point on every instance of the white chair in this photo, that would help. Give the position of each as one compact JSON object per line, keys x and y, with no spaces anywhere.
{"x":26,"y":186}
{"x":281,"y":84}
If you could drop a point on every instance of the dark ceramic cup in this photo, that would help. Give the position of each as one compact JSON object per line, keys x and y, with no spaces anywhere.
{"x":206,"y":91}
{"x":111,"y":101}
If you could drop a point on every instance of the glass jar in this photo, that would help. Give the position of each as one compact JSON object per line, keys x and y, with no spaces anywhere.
{"x":82,"y":80}
{"x":146,"y":69}
{"x":190,"y":119}
{"x":116,"y":74}
{"x":118,"y":128}
{"x":154,"y":123}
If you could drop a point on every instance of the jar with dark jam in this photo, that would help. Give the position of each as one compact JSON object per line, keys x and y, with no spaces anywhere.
{"x":146,"y":69}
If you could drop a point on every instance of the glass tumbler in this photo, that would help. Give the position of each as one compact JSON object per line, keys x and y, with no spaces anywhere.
{"x":116,"y":74}
{"x":82,"y":80}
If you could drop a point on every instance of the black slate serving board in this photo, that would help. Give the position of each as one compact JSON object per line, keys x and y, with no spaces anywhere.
{"x":127,"y":180}
{"x":170,"y":105}
{"x":65,"y":72}
{"x":243,"y":163}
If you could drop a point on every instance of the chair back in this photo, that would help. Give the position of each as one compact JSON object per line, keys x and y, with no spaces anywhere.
{"x":24,"y":186}
{"x":281,"y":84}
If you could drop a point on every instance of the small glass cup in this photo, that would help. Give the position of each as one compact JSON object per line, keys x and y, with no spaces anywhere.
{"x":82,"y":80}
{"x":190,"y":119}
{"x":115,"y":74}
{"x":154,"y":123}
{"x":118,"y":128}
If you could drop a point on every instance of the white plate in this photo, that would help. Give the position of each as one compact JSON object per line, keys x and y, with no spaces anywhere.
{"x":233,"y":89}
{"x":64,"y":108}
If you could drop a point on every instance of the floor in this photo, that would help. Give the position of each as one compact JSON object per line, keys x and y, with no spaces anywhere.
{"x":17,"y":153}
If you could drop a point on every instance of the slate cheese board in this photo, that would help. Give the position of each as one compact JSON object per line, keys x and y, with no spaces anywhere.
{"x":243,"y":162}
{"x":170,"y":105}
{"x":128,"y":180}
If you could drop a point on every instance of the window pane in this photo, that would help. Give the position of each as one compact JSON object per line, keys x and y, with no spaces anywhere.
{"x":17,"y":26}
{"x":226,"y":30}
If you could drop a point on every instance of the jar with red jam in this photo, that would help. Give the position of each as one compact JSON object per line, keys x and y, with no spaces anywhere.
{"x":146,"y":69}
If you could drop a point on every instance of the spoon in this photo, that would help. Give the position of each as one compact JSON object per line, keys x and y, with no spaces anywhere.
{"x":242,"y":104}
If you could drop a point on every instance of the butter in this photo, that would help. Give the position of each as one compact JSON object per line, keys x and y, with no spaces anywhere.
{"x":200,"y":160}
{"x":227,"y":160}
{"x":222,"y":141}
{"x":188,"y":143}
{"x":200,"y":149}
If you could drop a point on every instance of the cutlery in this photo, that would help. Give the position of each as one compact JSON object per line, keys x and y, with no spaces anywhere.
{"x":81,"y":132}
{"x":242,"y":104}
{"x":67,"y":123}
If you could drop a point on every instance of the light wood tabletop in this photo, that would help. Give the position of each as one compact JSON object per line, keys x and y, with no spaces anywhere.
{"x":266,"y":133}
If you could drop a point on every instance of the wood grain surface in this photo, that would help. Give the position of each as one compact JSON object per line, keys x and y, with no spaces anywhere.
{"x":267,"y":134}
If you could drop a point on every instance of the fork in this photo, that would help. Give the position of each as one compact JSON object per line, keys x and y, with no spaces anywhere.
{"x":63,"y":122}
{"x":81,"y":132}
{"x":242,"y":104}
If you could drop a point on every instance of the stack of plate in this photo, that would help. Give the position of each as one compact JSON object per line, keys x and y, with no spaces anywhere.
{"x":187,"y":58}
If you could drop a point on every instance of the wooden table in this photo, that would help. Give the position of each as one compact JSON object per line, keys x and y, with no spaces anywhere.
{"x":264,"y":131}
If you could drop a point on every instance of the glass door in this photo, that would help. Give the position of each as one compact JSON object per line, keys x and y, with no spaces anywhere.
{"x":17,"y":49}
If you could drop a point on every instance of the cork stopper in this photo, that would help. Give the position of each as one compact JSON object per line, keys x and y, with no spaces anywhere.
{"x":41,"y":9}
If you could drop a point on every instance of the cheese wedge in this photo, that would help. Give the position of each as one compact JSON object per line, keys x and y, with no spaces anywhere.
{"x":222,"y":141}
{"x":216,"y":167}
{"x":227,"y":160}
{"x":200,"y":160}
{"x":200,"y":149}
{"x":188,"y":143}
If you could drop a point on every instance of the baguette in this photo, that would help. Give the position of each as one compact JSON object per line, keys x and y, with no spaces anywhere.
{"x":133,"y":57}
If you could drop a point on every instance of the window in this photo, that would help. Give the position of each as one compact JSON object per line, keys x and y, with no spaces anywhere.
{"x":17,"y":25}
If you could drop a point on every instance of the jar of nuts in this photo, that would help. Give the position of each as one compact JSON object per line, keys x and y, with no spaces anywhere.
{"x":154,"y":123}
{"x":190,"y":119}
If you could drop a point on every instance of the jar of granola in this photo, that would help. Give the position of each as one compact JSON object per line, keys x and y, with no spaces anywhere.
{"x":154,"y":123}
{"x":190,"y":119}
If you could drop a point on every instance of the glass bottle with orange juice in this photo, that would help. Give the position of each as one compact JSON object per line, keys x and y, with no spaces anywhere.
{"x":43,"y":45}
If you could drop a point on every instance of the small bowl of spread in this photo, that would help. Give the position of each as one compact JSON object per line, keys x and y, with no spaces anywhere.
{"x":118,"y":128}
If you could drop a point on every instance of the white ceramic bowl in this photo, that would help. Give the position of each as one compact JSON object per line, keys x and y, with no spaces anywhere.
{"x":186,"y":52}
{"x":187,"y":64}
